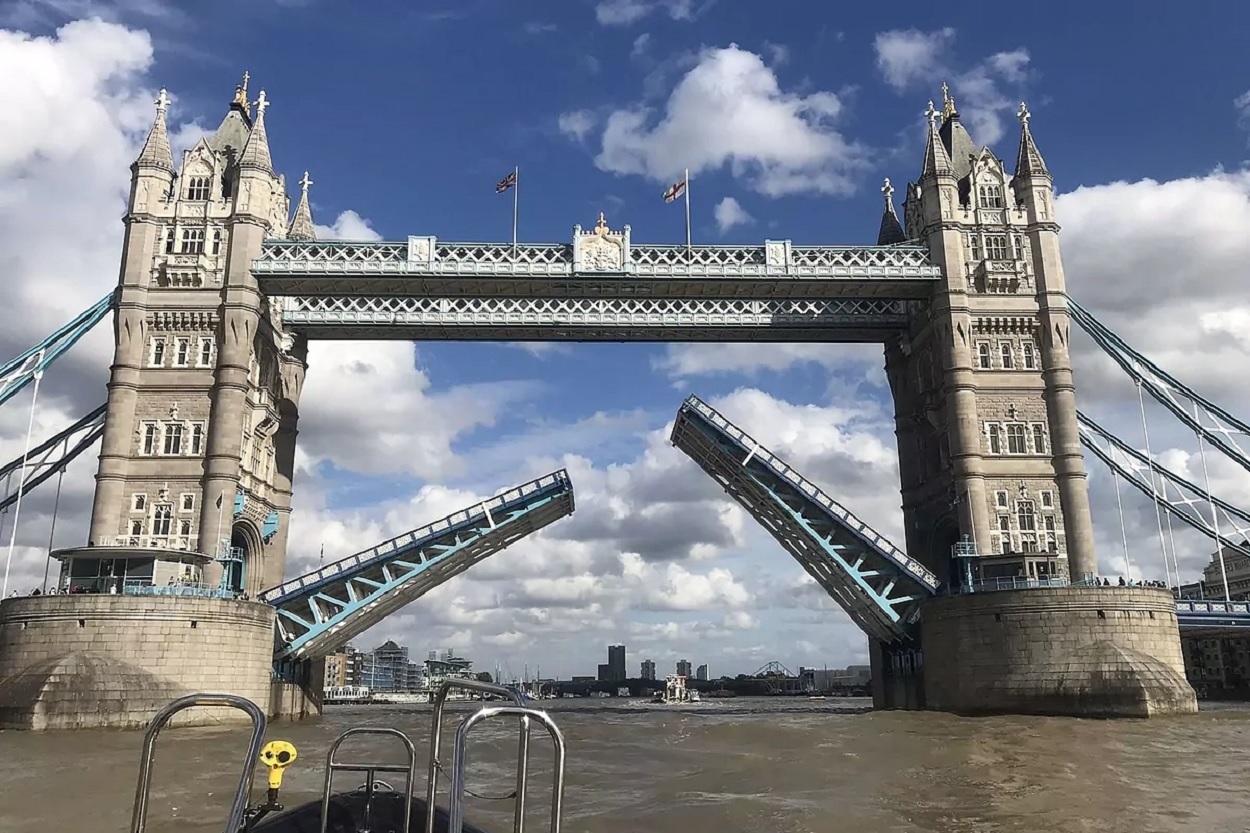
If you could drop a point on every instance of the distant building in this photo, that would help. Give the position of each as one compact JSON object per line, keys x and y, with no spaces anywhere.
{"x":440,"y":667}
{"x":336,"y":669}
{"x":701,"y":674}
{"x":604,"y":673}
{"x":616,"y":662}
{"x":648,"y":669}
{"x":683,"y":667}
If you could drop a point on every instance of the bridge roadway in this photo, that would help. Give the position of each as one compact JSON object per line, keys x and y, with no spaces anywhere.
{"x":328,"y":607}
{"x":598,"y":288}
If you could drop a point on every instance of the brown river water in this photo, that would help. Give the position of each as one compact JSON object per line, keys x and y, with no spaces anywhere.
{"x":770,"y":764}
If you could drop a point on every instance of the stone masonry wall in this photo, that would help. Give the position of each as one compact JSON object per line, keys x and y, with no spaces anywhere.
{"x":1081,"y":651}
{"x":112,"y":661}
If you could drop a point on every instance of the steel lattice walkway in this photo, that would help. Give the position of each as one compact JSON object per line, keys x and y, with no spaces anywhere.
{"x":325,"y":609}
{"x":877,"y":584}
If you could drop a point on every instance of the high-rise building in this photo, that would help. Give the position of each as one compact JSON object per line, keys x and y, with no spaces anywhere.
{"x":683,"y":667}
{"x":616,"y":662}
{"x":648,"y":669}
{"x":701,"y":674}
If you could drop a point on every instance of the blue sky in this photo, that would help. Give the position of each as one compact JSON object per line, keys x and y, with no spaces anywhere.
{"x":789,"y":119}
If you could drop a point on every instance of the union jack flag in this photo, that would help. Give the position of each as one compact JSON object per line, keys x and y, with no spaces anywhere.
{"x":675,"y":191}
{"x":506,"y":183}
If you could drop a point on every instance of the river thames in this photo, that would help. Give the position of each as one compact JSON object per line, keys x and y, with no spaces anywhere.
{"x":737,"y":766}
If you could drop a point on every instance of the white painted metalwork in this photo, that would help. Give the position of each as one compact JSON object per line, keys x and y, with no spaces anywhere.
{"x":614,"y":319}
{"x":430,"y":256}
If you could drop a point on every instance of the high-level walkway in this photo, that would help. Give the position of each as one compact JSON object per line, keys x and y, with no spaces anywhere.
{"x":600,"y":287}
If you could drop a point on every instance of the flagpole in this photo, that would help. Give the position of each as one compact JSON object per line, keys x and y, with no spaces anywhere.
{"x":516,"y":202}
{"x":689,"y":249}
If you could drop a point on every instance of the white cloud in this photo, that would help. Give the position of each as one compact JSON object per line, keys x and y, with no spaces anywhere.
{"x":730,"y":111}
{"x":640,"y":45}
{"x":1242,"y":105}
{"x":729,"y":213}
{"x":577,"y":124}
{"x":908,"y":58}
{"x":626,"y":12}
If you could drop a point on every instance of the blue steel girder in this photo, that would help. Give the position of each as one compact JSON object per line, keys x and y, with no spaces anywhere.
{"x":19,"y":372}
{"x":325,"y":609}
{"x":878,"y":585}
{"x":1197,"y":616}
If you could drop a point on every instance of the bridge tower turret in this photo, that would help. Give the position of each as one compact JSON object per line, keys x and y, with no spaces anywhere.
{"x":203,"y":398}
{"x":982,"y":383}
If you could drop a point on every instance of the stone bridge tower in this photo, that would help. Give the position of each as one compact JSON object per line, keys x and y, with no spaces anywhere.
{"x":199,"y":444}
{"x":985,"y":411}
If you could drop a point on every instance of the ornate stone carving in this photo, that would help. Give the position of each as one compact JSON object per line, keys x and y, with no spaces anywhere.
{"x":775,"y":254}
{"x":420,"y":249}
{"x":600,"y":250}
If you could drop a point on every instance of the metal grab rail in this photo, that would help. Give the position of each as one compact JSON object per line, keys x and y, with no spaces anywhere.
{"x":238,"y":806}
{"x":436,"y":741}
{"x":455,"y":808}
{"x":370,"y":770}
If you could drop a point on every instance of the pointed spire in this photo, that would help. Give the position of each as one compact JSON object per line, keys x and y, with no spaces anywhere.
{"x":156,"y":152}
{"x":936,"y":159}
{"x":891,"y":231}
{"x":302,"y":223}
{"x":1029,"y":162}
{"x":256,"y":151}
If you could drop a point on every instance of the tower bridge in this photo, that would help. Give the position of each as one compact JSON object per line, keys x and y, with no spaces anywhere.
{"x":223,"y":285}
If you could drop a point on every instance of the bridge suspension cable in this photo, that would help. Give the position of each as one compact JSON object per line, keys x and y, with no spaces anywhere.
{"x":1130,"y":464}
{"x":21,"y":371}
{"x":1185,"y":403}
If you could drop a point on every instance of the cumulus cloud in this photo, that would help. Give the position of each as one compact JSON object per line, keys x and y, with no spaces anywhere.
{"x":729,"y":111}
{"x":910,"y":58}
{"x":729,"y":213}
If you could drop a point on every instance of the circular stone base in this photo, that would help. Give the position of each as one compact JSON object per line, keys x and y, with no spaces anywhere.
{"x":1080,"y":651}
{"x":96,"y":660}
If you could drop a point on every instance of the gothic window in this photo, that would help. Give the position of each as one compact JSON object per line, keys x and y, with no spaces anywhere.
{"x":193,"y":241}
{"x":991,"y":196}
{"x":1005,"y":349}
{"x":206,"y":353}
{"x":182,"y":352}
{"x":1039,"y":438}
{"x":184,"y":528}
{"x":1015,"y":438}
{"x":976,"y":247}
{"x":156,"y":357}
{"x":173,"y":439}
{"x":197,"y":438}
{"x":996,"y":438}
{"x":186,"y":502}
{"x":198,"y":188}
{"x":216,"y":241}
{"x":1048,"y":499}
{"x":1004,"y":533}
{"x":139,"y":503}
{"x":1029,"y":354}
{"x":995,"y":247}
{"x":162,"y":519}
{"x":1017,"y":246}
{"x":136,"y":527}
{"x":1000,"y":499}
{"x":1026,"y":521}
{"x":984,"y":355}
{"x":151,"y":438}
{"x":1052,"y":539}
{"x":169,"y":240}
